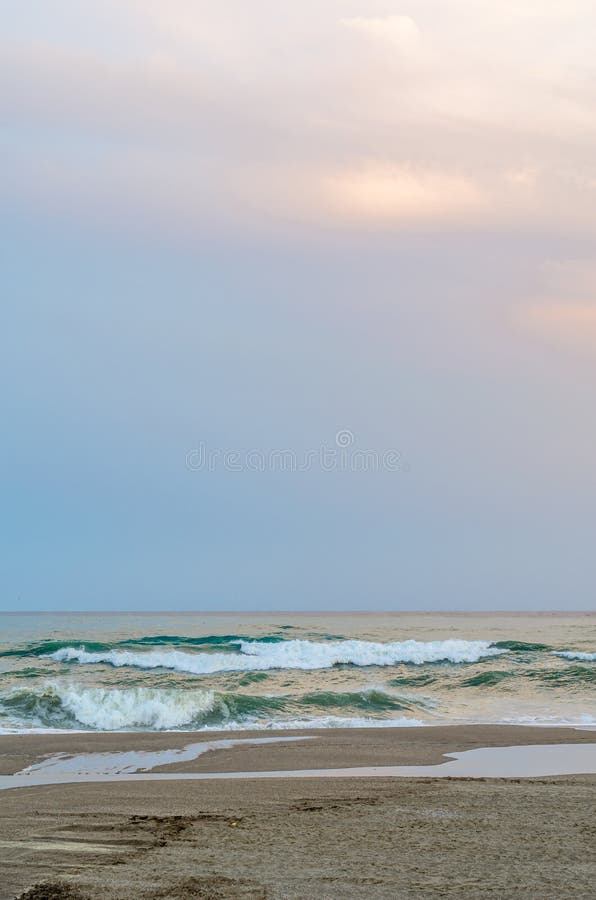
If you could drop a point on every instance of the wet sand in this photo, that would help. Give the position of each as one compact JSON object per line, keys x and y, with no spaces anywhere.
{"x":301,"y":838}
{"x":333,"y":748}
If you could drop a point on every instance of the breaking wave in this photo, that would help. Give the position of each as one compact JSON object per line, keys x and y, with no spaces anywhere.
{"x":224,"y":642}
{"x":292,"y":654}
{"x":575,"y":654}
{"x":67,"y":706}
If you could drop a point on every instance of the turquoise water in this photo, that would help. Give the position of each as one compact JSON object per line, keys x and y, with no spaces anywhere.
{"x":162,"y":671}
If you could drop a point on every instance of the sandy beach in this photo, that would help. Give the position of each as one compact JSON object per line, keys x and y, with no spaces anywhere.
{"x":300,"y":837}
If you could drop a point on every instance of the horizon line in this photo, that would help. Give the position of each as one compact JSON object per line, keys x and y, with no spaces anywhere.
{"x":291,"y":612}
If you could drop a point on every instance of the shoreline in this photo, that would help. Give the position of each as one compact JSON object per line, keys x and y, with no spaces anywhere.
{"x":294,"y":749}
{"x":297,"y":838}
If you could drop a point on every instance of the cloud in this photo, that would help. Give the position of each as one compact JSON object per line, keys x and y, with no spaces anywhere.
{"x":393,"y":193}
{"x":398,"y":32}
{"x":568,"y":324}
{"x":475,"y":114}
{"x":567,"y":315}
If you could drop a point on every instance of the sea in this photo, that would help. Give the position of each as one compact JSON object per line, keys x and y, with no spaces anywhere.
{"x":148,"y":671}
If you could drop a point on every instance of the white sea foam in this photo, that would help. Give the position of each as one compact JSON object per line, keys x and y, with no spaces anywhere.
{"x":576,"y":654}
{"x":38,"y":729}
{"x":116,"y":708}
{"x":323,"y":722}
{"x":135,"y":707}
{"x":248,"y":724}
{"x":544,"y":720}
{"x":294,"y":654}
{"x":58,"y":703}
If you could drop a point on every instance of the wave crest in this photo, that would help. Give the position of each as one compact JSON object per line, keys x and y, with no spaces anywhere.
{"x":293,"y":654}
{"x":68,"y":705}
{"x":573,"y":654}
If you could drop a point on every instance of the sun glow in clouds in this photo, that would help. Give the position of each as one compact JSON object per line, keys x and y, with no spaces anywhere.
{"x":397,"y":32}
{"x":398,"y":192}
{"x":573,"y":324}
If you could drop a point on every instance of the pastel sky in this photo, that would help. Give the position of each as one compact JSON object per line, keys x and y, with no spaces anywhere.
{"x":247,"y":228}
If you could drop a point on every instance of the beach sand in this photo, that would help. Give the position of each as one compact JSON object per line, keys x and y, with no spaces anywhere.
{"x":300,"y":838}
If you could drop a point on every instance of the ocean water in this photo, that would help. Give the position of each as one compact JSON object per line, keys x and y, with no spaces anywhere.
{"x":202,"y":672}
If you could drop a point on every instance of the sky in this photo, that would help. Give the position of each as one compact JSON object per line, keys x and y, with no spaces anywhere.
{"x":298,"y":306}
